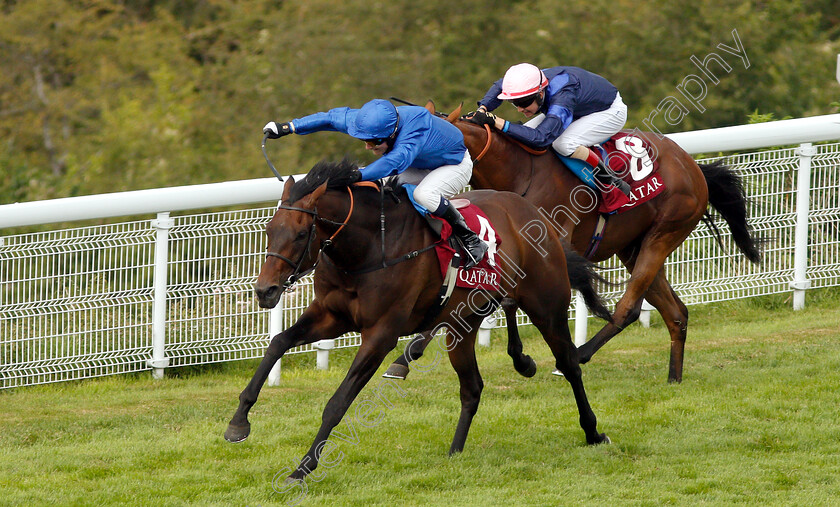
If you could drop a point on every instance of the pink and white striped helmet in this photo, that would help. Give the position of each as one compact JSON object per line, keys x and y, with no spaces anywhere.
{"x":522,"y":80}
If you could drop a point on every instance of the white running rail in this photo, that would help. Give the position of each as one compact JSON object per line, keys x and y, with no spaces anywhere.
{"x":163,"y":291}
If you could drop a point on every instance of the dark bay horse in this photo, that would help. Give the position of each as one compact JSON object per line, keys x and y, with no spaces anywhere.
{"x":382,"y":282}
{"x":642,"y":238}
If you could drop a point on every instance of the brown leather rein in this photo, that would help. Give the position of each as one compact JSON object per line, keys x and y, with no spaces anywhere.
{"x":530,"y":150}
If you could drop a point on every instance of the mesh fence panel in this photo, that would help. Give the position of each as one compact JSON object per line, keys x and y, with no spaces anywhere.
{"x":77,"y":303}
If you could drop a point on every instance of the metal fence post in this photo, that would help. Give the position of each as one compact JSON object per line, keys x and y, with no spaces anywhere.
{"x":485,"y":328}
{"x":644,"y":316}
{"x":322,"y":356}
{"x":159,"y":361}
{"x":800,"y":281}
{"x":581,"y":316}
{"x":275,"y":326}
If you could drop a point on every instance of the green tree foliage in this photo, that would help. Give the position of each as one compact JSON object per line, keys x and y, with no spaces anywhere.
{"x":108,"y":95}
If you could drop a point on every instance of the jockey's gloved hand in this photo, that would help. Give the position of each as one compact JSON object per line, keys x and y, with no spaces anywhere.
{"x":481,"y":107}
{"x":482,"y":117}
{"x":355,"y":176}
{"x":275,"y":130}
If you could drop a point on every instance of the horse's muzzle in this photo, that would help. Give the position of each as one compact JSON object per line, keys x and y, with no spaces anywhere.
{"x":268,"y":296}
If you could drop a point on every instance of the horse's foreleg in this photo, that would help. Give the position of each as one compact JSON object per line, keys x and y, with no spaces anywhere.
{"x":462,"y":357}
{"x":413,"y":351}
{"x":316,"y":323}
{"x":374,"y":348}
{"x":523,"y":364}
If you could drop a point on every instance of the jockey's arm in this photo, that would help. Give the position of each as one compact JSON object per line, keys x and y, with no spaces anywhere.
{"x":397,"y":160}
{"x":491,"y":101}
{"x":334,"y":120}
{"x":544,"y":134}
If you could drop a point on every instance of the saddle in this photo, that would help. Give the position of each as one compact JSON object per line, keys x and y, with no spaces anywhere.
{"x":633,"y":159}
{"x":487,"y":274}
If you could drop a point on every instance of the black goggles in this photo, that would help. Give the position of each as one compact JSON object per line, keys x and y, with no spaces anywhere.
{"x":524,"y":101}
{"x":376,"y":141}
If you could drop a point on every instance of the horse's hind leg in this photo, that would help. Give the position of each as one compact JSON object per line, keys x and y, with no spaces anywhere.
{"x":413,"y":351}
{"x":316,"y":323}
{"x":463,"y":361}
{"x":554,"y":327}
{"x":675,"y":314}
{"x":644,"y":268}
{"x":523,"y":364}
{"x":567,"y":362}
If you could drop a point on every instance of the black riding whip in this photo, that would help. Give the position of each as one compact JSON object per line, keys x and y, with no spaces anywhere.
{"x":269,"y":161}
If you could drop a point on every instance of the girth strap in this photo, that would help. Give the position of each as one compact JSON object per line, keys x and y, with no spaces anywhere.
{"x":597,"y":236}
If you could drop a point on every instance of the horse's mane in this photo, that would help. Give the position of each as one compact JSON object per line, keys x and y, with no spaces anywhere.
{"x":337,"y":174}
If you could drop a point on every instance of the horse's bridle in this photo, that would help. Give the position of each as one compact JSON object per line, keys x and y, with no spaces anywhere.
{"x":297,"y":274}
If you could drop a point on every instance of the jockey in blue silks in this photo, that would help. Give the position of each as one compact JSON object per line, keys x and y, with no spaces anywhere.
{"x":572,"y":109}
{"x":426,"y":151}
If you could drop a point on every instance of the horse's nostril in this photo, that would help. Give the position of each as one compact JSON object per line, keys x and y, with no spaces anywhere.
{"x":267,"y":296}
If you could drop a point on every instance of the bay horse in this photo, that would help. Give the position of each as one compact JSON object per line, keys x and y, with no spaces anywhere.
{"x":642,"y":237}
{"x":366,"y":281}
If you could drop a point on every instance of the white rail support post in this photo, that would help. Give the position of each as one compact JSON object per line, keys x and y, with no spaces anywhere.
{"x":800,"y":281}
{"x":838,"y":68}
{"x":275,"y":326}
{"x":487,"y":324}
{"x":644,"y":316}
{"x":322,"y":358}
{"x":581,"y":317}
{"x":159,"y":361}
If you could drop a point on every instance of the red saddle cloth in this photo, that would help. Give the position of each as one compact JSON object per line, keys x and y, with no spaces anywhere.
{"x":635,"y":160}
{"x":487,"y":274}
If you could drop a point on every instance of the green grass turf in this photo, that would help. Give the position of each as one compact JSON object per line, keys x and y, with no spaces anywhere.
{"x":754,"y":422}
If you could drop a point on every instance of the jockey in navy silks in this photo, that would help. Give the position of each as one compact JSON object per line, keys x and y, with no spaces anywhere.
{"x":426,"y":151}
{"x":572,"y":110}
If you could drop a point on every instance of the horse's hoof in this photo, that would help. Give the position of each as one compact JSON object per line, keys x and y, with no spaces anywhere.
{"x":236,"y":434}
{"x":295,"y":477}
{"x":396,"y":371}
{"x":530,"y":369}
{"x":600,"y":438}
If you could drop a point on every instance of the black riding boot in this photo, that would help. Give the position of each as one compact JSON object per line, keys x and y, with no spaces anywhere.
{"x":607,"y":177}
{"x":474,"y":248}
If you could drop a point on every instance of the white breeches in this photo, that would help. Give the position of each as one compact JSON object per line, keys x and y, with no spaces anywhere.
{"x":446,"y":181}
{"x":588,"y":130}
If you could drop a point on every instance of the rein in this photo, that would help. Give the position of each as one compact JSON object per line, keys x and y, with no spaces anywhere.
{"x":297,"y":274}
{"x":525,"y":147}
{"x":530,"y":150}
{"x":385,"y":263}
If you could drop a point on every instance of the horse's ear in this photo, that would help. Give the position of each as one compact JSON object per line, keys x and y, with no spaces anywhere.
{"x":287,"y":188}
{"x":454,"y":115}
{"x":312,"y":198}
{"x":430,"y":107}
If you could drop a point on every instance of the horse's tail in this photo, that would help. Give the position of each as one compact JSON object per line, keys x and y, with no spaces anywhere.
{"x":727,"y":196}
{"x":582,"y":278}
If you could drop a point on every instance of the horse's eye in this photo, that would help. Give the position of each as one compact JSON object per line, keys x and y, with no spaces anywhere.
{"x":301,"y":235}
